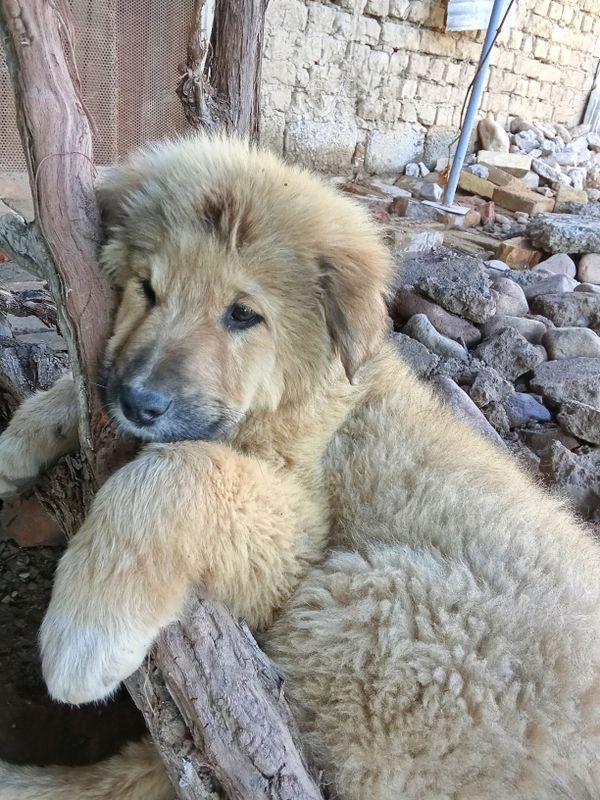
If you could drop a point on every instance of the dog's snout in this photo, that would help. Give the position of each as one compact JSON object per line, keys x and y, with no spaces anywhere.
{"x":143,"y":405}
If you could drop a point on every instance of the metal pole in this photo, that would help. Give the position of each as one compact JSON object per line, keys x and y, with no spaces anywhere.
{"x":474,"y":100}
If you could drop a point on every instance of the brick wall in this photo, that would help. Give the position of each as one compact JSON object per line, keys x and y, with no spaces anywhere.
{"x":384,"y":72}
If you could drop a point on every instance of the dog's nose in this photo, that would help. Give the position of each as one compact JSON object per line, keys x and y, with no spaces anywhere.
{"x":143,"y":405}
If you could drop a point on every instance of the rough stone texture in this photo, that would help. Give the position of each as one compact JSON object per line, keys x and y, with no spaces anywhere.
{"x":550,"y":284}
{"x":390,"y":152}
{"x":588,"y":269}
{"x":511,"y":299}
{"x":568,"y":379}
{"x":571,"y":343}
{"x":421,"y":329}
{"x":565,"y":233}
{"x":559,"y":264}
{"x":379,"y":64}
{"x":581,"y":420}
{"x":522,"y":408}
{"x":464,"y":408}
{"x":489,"y":387}
{"x":460,"y":284}
{"x":531,"y":329}
{"x":421,"y":360}
{"x":576,"y":474}
{"x":327,"y":146}
{"x":573,"y":309}
{"x":509,"y":353}
{"x":492,"y":136}
{"x":407,"y":303}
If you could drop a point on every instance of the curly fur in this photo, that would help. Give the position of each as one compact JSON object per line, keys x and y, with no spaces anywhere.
{"x":434,"y":611}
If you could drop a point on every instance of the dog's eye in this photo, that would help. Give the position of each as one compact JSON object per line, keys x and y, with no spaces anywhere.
{"x":149,"y":292}
{"x":240,"y":317}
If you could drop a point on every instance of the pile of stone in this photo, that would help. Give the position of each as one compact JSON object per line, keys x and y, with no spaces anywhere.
{"x":517,"y":352}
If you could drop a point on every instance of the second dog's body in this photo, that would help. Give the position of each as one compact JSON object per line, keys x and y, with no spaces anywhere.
{"x":435,"y":614}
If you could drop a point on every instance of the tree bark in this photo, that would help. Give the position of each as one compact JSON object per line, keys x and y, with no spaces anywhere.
{"x":220,"y":87}
{"x":229,"y":730}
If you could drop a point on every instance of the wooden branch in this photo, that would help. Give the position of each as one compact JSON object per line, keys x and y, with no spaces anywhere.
{"x":58,"y":149}
{"x":222,"y":91}
{"x":223,"y":666}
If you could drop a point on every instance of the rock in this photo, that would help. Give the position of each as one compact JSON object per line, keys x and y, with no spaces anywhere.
{"x":565,"y":194}
{"x":531,"y":329}
{"x":421,"y":360}
{"x":527,"y":277}
{"x":496,"y":415}
{"x":487,"y":212}
{"x":423,"y":170}
{"x":493,"y":136}
{"x":522,"y":217}
{"x":420,"y":328}
{"x":474,"y":183}
{"x":588,"y":287}
{"x":497,"y":265}
{"x":577,"y":475}
{"x":593,"y":195}
{"x":511,"y":299}
{"x":469,"y":296}
{"x":594,"y":141}
{"x":509,"y":353}
{"x":520,"y":198}
{"x":540,"y":440}
{"x":428,"y":191}
{"x":544,"y":170}
{"x":489,"y":387}
{"x":479,"y":169}
{"x":581,"y":420}
{"x":572,"y":309}
{"x":522,"y":408}
{"x":412,"y":170}
{"x":531,"y":180}
{"x":553,"y":284}
{"x":526,"y":141}
{"x":588,"y":269}
{"x":568,"y":379}
{"x":559,"y":264}
{"x":464,"y":408}
{"x":562,"y":132}
{"x":517,"y":164}
{"x":578,"y":177}
{"x":517,"y":252}
{"x":502,"y":219}
{"x":407,"y":303}
{"x":566,"y":233}
{"x":571,"y":343}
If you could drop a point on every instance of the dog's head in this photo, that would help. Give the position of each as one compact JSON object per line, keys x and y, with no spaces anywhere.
{"x":243,"y":280}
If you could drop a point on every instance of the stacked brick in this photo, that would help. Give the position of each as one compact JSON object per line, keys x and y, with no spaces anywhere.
{"x":385,"y":73}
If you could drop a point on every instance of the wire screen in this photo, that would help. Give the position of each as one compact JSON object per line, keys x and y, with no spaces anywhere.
{"x":129,"y":54}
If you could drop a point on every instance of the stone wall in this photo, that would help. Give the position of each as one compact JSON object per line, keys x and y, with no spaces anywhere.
{"x":386,"y":74}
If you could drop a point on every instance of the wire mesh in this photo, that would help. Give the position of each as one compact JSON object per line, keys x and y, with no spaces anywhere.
{"x":128,"y":54}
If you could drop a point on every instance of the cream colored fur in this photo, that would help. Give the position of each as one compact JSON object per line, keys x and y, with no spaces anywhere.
{"x":435,"y":613}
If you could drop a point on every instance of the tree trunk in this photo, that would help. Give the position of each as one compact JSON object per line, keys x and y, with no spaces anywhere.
{"x":208,"y":662}
{"x":220,"y":88}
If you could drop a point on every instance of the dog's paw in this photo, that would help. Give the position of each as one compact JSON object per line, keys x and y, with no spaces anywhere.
{"x":82,"y":663}
{"x":19,"y":466}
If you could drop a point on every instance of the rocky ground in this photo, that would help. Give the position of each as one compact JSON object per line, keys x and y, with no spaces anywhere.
{"x":515,"y":351}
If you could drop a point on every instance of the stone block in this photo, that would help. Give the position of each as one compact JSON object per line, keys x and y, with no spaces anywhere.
{"x":518,"y":253}
{"x":566,"y":194}
{"x":517,"y":199}
{"x":517,"y":164}
{"x":473,"y":184}
{"x":326,"y":146}
{"x":390,"y":151}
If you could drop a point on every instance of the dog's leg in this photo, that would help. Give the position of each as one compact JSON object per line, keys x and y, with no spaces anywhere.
{"x":43,"y":429}
{"x":178,"y":515}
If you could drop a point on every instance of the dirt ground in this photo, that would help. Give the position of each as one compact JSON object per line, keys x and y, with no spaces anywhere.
{"x":33,"y":729}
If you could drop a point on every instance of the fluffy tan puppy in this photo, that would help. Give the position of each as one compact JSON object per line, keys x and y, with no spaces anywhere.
{"x":436,"y":614}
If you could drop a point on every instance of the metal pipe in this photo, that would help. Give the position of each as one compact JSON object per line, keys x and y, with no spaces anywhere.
{"x":474,"y":100}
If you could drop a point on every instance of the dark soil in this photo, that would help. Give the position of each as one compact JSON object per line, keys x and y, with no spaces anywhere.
{"x":34,"y":729}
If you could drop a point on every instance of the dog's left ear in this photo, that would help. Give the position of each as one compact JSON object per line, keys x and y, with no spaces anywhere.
{"x":354,"y":284}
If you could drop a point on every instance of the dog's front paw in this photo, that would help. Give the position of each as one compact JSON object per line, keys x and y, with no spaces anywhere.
{"x":82,"y":663}
{"x":19,"y":466}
